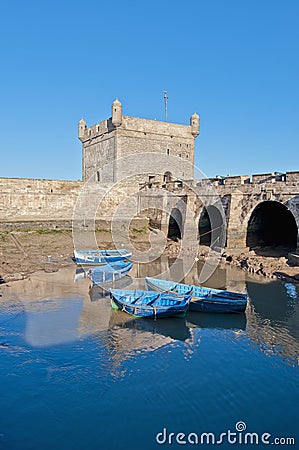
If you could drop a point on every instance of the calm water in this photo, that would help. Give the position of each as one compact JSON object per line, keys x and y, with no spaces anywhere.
{"x":77,"y":375}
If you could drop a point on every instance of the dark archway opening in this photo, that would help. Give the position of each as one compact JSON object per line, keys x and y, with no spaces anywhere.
{"x":204,"y":228}
{"x":211,"y":229}
{"x":175,"y":226}
{"x":272,"y":229}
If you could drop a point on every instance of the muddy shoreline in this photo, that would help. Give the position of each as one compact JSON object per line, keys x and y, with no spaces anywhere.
{"x":28,"y":251}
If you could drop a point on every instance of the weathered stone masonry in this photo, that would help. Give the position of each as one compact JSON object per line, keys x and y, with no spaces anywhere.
{"x":103,"y":172}
{"x":105,"y":143}
{"x":239,"y":196}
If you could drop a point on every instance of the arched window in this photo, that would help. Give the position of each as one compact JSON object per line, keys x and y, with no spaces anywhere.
{"x":167,"y":177}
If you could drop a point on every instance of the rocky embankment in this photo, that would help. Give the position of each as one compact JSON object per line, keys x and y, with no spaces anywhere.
{"x":270,"y":263}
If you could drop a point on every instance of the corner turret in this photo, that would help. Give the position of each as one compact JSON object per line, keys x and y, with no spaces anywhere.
{"x":195,"y":124}
{"x":116,"y":113}
{"x":81,"y":129}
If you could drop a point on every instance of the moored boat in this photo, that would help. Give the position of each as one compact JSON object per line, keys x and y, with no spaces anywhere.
{"x":148,"y":304}
{"x":203,"y":299}
{"x":99,"y":257}
{"x":110,"y":272}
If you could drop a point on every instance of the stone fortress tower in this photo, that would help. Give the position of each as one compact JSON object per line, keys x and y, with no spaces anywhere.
{"x":104,"y":144}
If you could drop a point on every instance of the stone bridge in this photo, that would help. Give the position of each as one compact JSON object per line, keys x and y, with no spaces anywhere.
{"x":239,"y":213}
{"x":242,"y":212}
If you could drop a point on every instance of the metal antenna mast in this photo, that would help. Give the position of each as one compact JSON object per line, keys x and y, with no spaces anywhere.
{"x":166,"y":106}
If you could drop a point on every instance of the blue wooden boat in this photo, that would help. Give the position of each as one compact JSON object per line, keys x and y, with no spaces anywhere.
{"x":203,"y":299}
{"x":147,"y":304}
{"x":99,"y":257}
{"x":109,"y":272}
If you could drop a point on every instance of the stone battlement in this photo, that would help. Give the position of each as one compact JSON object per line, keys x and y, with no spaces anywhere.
{"x":135,"y":124}
{"x":288,"y":178}
{"x":118,"y":137}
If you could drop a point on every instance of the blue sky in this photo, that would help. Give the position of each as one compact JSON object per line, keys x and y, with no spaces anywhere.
{"x":234,"y":62}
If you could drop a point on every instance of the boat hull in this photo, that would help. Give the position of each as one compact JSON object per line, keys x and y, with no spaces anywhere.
{"x":203,"y":299}
{"x":216,"y":306}
{"x":100,"y":257}
{"x":110,"y":273}
{"x":149,"y":305}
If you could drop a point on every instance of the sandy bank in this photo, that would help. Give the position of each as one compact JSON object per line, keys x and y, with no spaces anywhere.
{"x":25,"y":252}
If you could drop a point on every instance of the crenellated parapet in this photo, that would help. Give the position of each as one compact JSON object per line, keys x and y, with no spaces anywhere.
{"x":273,"y":178}
{"x":118,"y":137}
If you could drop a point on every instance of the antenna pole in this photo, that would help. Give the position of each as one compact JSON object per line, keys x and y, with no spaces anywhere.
{"x":166,"y":106}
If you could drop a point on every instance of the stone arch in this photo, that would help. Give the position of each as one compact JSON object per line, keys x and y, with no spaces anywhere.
{"x":175,"y":224}
{"x":211,"y":227}
{"x":293,"y":206}
{"x":272,"y":226}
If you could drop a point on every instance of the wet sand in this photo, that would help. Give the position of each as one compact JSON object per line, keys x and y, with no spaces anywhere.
{"x":25,"y":252}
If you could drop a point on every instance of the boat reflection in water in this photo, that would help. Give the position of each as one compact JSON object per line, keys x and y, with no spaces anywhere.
{"x":58,"y":311}
{"x":235,"y":322}
{"x":174,"y":328}
{"x":270,"y":321}
{"x":70,"y":364}
{"x":123,"y":336}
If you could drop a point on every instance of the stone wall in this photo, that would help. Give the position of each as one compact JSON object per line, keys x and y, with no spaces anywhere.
{"x":25,"y":199}
{"x":55,"y":202}
{"x":97,"y":153}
